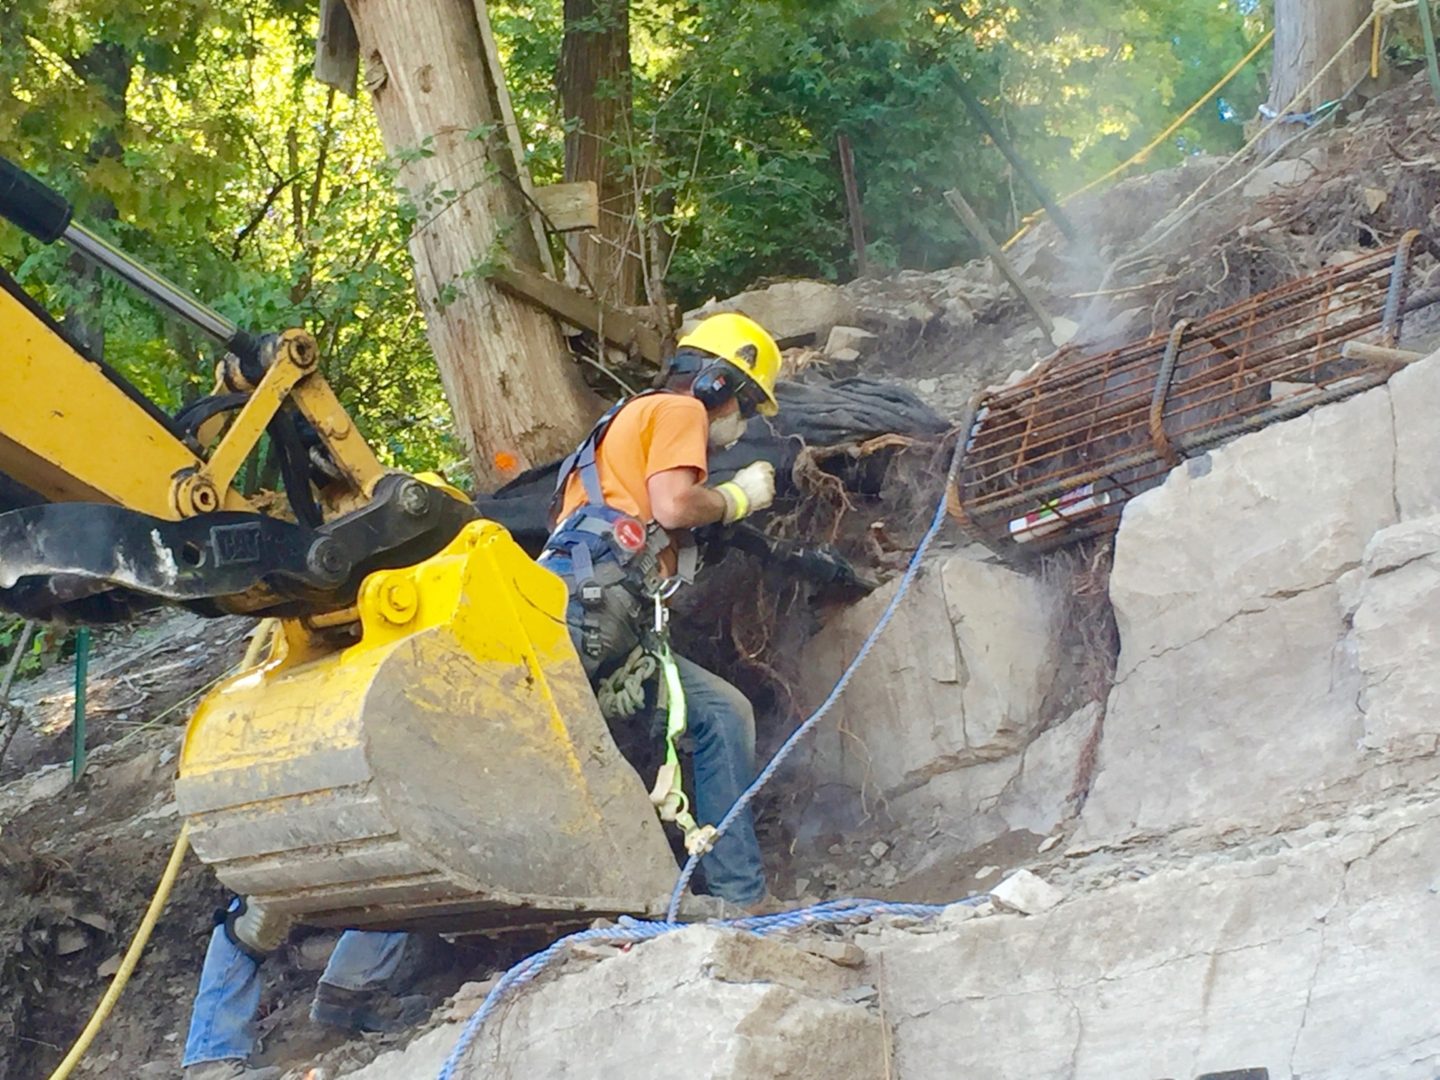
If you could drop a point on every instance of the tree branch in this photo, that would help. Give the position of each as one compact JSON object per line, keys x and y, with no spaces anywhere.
{"x":259,"y":215}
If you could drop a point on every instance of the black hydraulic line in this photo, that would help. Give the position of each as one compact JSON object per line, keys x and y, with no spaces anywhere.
{"x":1021,"y":167}
{"x":294,"y":468}
{"x":46,"y":215}
{"x":190,"y":418}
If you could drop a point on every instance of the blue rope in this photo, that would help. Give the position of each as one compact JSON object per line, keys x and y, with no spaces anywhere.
{"x":631,"y":931}
{"x":800,"y":732}
{"x":634,"y":930}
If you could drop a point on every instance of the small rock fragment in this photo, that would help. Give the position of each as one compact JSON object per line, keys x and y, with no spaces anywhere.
{"x":109,"y":967}
{"x":1048,"y":843}
{"x":594,"y":950}
{"x":99,"y":922}
{"x":848,"y":339}
{"x":986,"y":871}
{"x":879,"y":848}
{"x":844,"y":356}
{"x":956,"y":914}
{"x":860,"y":995}
{"x":844,"y":953}
{"x":70,"y":941}
{"x":1022,"y":891}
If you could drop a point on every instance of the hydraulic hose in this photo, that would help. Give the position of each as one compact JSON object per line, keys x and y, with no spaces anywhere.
{"x":132,"y":957}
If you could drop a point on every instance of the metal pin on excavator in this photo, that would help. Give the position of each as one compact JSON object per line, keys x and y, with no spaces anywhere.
{"x":421,"y":748}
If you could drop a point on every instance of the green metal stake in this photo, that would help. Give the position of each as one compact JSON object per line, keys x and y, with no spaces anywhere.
{"x":82,"y":670}
{"x":1428,"y":33}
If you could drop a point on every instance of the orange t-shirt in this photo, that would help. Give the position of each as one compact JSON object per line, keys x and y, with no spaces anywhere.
{"x":647,"y":436}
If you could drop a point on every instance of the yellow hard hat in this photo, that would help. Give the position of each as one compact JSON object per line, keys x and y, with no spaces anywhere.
{"x":743,"y":342}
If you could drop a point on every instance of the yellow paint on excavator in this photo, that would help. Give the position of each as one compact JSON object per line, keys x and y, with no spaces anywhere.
{"x":449,"y":770}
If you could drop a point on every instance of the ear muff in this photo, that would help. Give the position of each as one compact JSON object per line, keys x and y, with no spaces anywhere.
{"x":716,"y":383}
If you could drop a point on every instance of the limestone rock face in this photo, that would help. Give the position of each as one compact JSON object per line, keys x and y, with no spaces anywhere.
{"x":1276,"y":601}
{"x":1256,"y":963}
{"x":1268,"y":516}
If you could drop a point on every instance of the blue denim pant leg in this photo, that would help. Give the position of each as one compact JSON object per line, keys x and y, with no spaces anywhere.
{"x":222,"y":1020}
{"x":722,"y":727}
{"x":365,"y":959}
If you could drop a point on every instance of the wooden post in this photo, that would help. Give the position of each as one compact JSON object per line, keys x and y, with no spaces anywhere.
{"x":500,"y":96}
{"x":852,"y":202}
{"x":1019,"y":164}
{"x":504,"y":365}
{"x":971,"y":220}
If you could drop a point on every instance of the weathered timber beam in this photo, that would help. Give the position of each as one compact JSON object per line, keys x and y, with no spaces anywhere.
{"x":971,"y":220}
{"x":617,"y":327}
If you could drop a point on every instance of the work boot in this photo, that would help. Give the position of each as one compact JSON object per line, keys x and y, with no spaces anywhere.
{"x":366,"y":1010}
{"x":768,"y":904}
{"x":230,"y":1069}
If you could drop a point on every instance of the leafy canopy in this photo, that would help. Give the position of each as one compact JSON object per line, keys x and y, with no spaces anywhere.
{"x":192,"y":134}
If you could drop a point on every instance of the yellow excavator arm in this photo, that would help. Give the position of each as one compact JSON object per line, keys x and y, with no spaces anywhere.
{"x":421,"y":746}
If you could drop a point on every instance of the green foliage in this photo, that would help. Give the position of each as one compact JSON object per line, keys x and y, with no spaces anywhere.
{"x":192,"y":134}
{"x":237,"y":176}
{"x":33,"y":660}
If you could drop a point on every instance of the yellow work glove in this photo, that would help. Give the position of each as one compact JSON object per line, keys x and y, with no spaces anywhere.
{"x":753,"y":488}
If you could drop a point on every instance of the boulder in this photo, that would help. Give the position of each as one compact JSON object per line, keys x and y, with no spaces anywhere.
{"x":795,"y":312}
{"x":702,"y":1003}
{"x":1396,"y":642}
{"x":1415,"y":398}
{"x":957,"y":678}
{"x":1030,"y":791}
{"x":1247,"y":725}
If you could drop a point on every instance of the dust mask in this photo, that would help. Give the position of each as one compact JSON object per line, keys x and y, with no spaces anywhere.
{"x":726,"y":430}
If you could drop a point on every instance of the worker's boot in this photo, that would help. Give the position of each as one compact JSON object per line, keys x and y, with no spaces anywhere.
{"x":366,"y":1010}
{"x":230,"y":1069}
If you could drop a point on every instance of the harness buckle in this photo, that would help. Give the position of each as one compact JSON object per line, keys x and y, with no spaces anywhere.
{"x":629,"y":535}
{"x":591,"y":594}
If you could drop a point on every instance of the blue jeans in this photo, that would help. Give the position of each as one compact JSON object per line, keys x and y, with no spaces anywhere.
{"x":721,"y":727}
{"x":222,"y":1020}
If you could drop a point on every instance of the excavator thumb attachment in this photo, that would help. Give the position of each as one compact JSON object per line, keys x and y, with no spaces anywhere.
{"x":450,"y":771}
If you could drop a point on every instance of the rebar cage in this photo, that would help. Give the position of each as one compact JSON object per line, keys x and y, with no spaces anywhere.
{"x":1055,"y":457}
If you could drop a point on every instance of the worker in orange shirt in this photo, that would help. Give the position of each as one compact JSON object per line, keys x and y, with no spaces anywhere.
{"x":625,"y":503}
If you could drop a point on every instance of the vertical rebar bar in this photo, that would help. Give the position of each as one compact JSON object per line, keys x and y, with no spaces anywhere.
{"x":82,"y":674}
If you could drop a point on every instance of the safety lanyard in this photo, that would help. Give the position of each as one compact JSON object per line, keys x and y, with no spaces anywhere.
{"x":668,"y":794}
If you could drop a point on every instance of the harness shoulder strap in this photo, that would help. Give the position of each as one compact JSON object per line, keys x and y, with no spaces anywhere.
{"x":584,"y":459}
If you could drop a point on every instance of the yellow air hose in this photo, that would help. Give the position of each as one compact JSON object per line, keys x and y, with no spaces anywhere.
{"x":263,"y":636}
{"x":132,"y":957}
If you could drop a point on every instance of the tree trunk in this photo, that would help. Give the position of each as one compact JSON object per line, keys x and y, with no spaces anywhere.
{"x":518,"y":399}
{"x":595,"y":97}
{"x":105,"y":67}
{"x":1307,"y":34}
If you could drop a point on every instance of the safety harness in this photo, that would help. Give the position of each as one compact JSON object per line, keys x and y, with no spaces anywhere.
{"x":607,"y":547}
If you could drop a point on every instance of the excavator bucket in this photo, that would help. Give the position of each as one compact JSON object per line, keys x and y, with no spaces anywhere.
{"x":449,"y":771}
